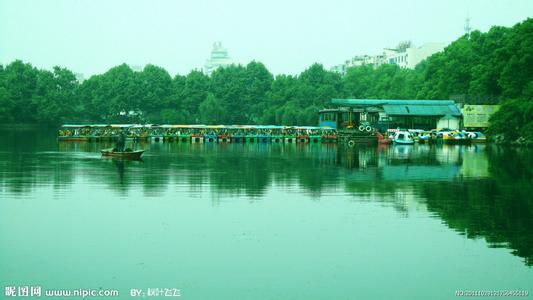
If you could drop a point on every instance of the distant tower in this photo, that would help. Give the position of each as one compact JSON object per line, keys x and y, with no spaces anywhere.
{"x":468,"y":28}
{"x":219,"y":58}
{"x":79,"y":77}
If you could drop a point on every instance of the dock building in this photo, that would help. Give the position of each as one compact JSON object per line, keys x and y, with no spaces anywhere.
{"x":385,"y":114}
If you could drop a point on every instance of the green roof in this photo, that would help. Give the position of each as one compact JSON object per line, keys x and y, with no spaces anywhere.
{"x":405,"y":107}
{"x":371,"y":102}
{"x":421,"y":110}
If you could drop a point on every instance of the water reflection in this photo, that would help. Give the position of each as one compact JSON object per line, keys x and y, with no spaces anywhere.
{"x":479,"y":191}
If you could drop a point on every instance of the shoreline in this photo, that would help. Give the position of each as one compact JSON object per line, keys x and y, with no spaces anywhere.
{"x":25,"y":126}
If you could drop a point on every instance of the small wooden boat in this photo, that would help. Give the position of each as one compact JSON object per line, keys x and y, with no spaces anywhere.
{"x":126,"y":154}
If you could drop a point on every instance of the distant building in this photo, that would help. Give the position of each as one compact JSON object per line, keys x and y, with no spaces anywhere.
{"x":79,"y":77}
{"x":136,"y":68}
{"x":412,"y":56}
{"x":405,"y":56}
{"x":359,"y":60}
{"x":219,"y":58}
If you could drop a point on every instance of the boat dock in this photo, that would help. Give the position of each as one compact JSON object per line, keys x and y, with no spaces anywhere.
{"x":253,"y":134}
{"x":258,"y":134}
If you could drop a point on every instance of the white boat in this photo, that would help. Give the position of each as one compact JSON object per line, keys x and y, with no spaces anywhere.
{"x":476,"y":137}
{"x":403,"y":138}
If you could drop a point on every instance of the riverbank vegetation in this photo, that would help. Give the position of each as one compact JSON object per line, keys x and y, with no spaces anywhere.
{"x":495,"y":67}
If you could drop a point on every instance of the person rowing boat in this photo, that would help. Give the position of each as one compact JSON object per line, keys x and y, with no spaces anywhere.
{"x":121,"y":142}
{"x":120,"y":152}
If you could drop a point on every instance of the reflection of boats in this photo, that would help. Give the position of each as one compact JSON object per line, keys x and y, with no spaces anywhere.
{"x":72,"y":138}
{"x":403,"y":138}
{"x":126,"y":154}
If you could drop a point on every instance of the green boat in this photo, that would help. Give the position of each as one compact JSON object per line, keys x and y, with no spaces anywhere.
{"x":276,"y":139}
{"x":183,"y":138}
{"x":315,"y":139}
{"x":252,"y":139}
{"x":290,"y":139}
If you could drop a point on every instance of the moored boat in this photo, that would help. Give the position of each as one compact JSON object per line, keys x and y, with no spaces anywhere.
{"x":277,"y":139}
{"x":224,"y":138}
{"x":477,"y":137}
{"x":383,"y":139}
{"x":328,"y":139}
{"x":156,"y":138}
{"x":197,"y":138}
{"x":302,"y":139}
{"x":263,"y":138}
{"x":290,"y":139}
{"x":210,"y":138}
{"x":455,"y":137}
{"x":251,"y":139}
{"x":184,"y":138}
{"x":237,"y":138}
{"x":427,"y":137}
{"x":315,"y":139}
{"x":403,"y":138}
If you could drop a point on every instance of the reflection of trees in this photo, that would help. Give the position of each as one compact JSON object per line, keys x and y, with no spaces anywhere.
{"x":510,"y":169}
{"x":250,"y":169}
{"x":501,"y":214}
{"x":25,"y":161}
{"x":494,"y":204}
{"x":235,"y":168}
{"x":499,"y":209}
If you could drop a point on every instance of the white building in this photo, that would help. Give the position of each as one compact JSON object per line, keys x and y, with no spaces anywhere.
{"x":359,"y":60}
{"x":412,"y":56}
{"x":136,"y":68}
{"x":79,"y":77}
{"x":219,"y":58}
{"x":405,"y":58}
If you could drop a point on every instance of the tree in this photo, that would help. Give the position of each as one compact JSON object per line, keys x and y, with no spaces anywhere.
{"x":490,"y":67}
{"x":20,"y":80}
{"x":156,"y":90}
{"x":194,"y":91}
{"x":212,"y":111}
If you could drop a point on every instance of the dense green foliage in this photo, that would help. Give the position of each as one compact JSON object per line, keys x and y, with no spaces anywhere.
{"x":491,"y":67}
{"x":31,"y":95}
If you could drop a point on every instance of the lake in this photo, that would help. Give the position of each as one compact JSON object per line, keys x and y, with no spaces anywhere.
{"x":266,"y":221}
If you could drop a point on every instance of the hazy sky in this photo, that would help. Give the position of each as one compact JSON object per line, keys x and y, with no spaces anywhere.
{"x":287,"y":36}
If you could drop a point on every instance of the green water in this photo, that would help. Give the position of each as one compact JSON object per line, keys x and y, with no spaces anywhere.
{"x":266,"y":221}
